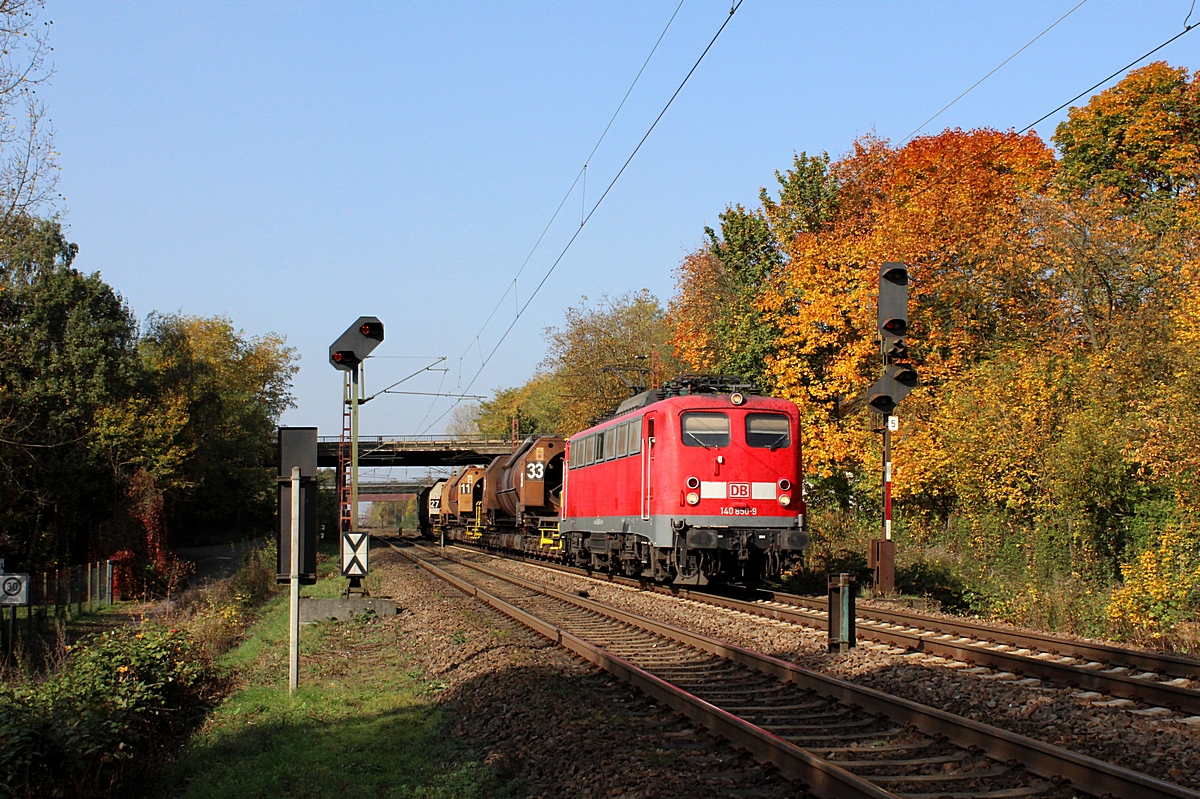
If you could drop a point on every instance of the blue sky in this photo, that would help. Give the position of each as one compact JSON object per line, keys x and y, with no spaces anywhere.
{"x":293,"y":165}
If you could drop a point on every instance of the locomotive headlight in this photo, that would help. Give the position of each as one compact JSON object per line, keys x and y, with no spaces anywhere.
{"x":736,"y":398}
{"x":693,"y":483}
{"x":785,"y":484}
{"x":785,"y":500}
{"x":693,"y":498}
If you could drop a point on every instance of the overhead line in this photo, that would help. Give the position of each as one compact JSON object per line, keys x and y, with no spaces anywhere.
{"x":993,"y":72}
{"x":612,"y":183}
{"x":994,"y":148}
{"x":1095,"y":86}
{"x":733,"y":9}
{"x":581,"y":174}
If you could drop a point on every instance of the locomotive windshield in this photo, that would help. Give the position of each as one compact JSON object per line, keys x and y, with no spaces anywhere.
{"x":705,"y":430}
{"x":768,"y":430}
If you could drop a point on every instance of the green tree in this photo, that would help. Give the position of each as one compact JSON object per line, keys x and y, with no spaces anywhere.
{"x":67,"y":350}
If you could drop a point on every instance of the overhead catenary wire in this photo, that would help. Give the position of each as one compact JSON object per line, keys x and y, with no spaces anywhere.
{"x":582,"y":174}
{"x":994,"y":70}
{"x":942,"y":179}
{"x":852,"y":179}
{"x":579,"y":176}
{"x":732,"y":10}
{"x":1100,"y":83}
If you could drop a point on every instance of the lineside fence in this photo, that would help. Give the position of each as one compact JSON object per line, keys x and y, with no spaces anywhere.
{"x":63,"y":594}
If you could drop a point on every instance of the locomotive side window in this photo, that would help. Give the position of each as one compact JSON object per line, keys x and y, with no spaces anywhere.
{"x":598,"y":440}
{"x":768,"y":430}
{"x":705,"y":430}
{"x":573,"y":461}
{"x":589,"y":450}
{"x":622,"y":440}
{"x":610,"y":443}
{"x":635,"y":436}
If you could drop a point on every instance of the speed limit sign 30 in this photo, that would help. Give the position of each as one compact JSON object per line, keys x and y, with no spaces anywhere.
{"x":14,"y":589}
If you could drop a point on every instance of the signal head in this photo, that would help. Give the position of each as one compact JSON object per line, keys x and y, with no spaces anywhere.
{"x":894,"y":273}
{"x":346,"y":358}
{"x":882,"y":403}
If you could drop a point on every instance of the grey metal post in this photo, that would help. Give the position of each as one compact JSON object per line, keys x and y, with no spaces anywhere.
{"x":842,"y":634}
{"x":294,"y":609}
{"x":108,"y":580}
{"x":354,"y":390}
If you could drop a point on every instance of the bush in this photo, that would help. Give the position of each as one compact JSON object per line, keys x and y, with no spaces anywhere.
{"x":935,"y":580}
{"x":813,"y":578}
{"x":123,"y":696}
{"x":217,"y":615}
{"x":1162,"y":587}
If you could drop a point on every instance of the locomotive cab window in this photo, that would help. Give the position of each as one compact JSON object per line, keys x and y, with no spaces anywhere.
{"x":768,"y":430}
{"x":705,"y":430}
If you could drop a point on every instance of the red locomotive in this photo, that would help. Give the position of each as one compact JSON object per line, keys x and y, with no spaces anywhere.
{"x":696,"y":482}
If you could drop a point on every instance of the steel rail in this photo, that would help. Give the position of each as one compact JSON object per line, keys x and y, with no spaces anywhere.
{"x":932,"y":641}
{"x":796,"y":764}
{"x":1130,"y":658}
{"x":1089,"y":774}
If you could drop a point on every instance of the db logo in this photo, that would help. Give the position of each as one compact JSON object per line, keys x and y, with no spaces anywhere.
{"x":739,"y":491}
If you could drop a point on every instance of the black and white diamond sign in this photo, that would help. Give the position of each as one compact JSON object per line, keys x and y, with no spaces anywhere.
{"x":354,"y":554}
{"x":14,"y":589}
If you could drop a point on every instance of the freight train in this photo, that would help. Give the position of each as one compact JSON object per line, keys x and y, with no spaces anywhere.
{"x":696,"y":482}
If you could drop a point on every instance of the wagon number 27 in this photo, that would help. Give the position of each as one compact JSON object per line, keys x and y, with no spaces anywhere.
{"x":535,"y":470}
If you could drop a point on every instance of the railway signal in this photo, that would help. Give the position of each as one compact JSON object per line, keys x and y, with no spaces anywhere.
{"x":353,"y":346}
{"x":893,"y":310}
{"x":887,"y":392}
{"x":347,"y":354}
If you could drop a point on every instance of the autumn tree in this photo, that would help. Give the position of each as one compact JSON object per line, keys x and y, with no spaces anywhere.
{"x":535,"y":405}
{"x":1140,"y":137}
{"x":602,"y":353}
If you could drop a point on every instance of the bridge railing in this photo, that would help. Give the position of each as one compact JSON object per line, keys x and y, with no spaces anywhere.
{"x":442,"y":439}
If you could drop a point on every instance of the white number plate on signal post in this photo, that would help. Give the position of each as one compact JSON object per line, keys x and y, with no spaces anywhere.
{"x":354,"y":554}
{"x":14,"y":589}
{"x":893,"y":423}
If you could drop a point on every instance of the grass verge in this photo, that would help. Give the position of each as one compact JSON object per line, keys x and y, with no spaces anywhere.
{"x":362,"y":723}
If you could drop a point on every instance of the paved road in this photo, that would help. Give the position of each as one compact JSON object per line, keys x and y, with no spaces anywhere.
{"x":218,"y":561}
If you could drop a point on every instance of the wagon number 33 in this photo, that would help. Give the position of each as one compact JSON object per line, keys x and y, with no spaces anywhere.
{"x":535,"y":470}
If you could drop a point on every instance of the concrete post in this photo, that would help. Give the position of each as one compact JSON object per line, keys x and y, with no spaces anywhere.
{"x":294,"y":610}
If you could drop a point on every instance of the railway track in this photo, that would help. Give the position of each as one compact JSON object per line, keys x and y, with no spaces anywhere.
{"x":836,"y":738}
{"x":1156,"y":679}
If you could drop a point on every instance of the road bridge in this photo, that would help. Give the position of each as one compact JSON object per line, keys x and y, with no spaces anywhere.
{"x":390,"y":491}
{"x":414,"y":450}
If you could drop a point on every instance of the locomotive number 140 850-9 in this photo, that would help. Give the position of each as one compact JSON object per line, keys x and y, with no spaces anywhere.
{"x":736,"y":511}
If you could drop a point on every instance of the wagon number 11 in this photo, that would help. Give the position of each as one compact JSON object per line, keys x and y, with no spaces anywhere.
{"x":535,"y":471}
